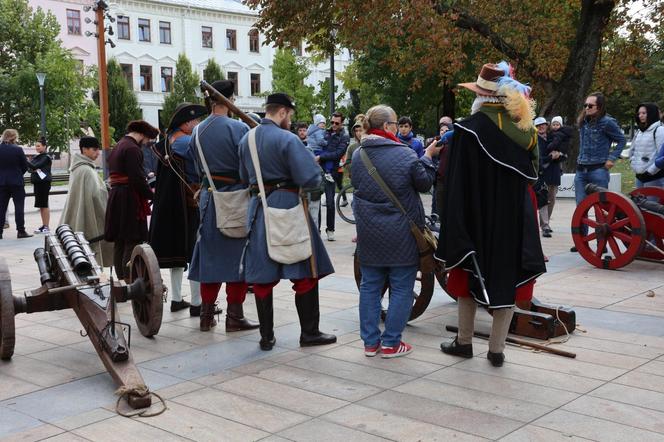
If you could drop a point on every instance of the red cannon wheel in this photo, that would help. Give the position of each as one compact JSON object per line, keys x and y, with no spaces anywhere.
{"x":614,"y":224}
{"x":7,"y":337}
{"x":149,"y":309}
{"x":654,"y":223}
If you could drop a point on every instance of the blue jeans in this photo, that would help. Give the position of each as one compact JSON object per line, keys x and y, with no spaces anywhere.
{"x":599,"y":177}
{"x":402,"y":282}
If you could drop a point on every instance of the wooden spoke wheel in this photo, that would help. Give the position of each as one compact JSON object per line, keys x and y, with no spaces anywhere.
{"x":654,"y":223}
{"x":616,"y":230}
{"x":7,"y":337}
{"x":148,"y":310}
{"x":422,"y":293}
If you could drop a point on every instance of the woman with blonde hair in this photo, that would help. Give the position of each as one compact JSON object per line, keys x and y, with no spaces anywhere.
{"x":386,"y":248}
{"x":13,"y":164}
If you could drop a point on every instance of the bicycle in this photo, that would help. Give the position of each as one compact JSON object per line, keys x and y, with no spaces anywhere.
{"x":343,"y":202}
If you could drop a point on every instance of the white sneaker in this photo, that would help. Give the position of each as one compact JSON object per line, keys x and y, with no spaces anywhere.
{"x":330,"y":235}
{"x":328,"y":177}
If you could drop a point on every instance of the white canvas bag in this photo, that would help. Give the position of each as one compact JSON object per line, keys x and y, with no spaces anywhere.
{"x":231,"y":207}
{"x":286,"y":230}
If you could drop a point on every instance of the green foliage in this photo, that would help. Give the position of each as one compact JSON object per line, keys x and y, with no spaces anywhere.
{"x":322,"y":99}
{"x":288,"y":75}
{"x":122,"y":103}
{"x":185,"y":84}
{"x":29,"y":44}
{"x":212,"y":72}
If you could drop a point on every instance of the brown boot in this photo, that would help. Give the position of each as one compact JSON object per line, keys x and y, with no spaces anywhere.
{"x":207,"y":317}
{"x":235,"y":320}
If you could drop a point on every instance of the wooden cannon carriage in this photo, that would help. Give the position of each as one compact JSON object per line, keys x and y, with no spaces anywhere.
{"x":72,"y":279}
{"x":620,"y":228}
{"x":532,"y":319}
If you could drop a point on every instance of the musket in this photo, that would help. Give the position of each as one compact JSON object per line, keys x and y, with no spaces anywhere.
{"x":211,"y":92}
{"x":522,"y":342}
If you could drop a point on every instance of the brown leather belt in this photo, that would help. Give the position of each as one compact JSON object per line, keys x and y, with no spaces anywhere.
{"x":269,"y":188}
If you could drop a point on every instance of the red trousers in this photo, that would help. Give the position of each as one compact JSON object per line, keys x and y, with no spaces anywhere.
{"x":236,"y":292}
{"x":300,"y":287}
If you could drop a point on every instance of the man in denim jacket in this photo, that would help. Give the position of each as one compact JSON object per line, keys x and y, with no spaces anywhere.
{"x":598,"y":132}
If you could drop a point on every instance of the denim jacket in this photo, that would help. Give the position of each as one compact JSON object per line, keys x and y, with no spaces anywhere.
{"x":596,"y":139}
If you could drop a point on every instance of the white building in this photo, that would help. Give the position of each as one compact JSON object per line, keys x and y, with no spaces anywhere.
{"x":150,"y":34}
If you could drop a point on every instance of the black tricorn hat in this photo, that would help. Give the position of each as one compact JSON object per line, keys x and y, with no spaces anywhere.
{"x":143,"y":127}
{"x":225,"y":87}
{"x":185,"y":112}
{"x":88,"y":142}
{"x":281,"y":98}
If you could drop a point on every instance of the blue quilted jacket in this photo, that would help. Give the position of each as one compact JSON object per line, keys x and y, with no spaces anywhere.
{"x":383,"y":232}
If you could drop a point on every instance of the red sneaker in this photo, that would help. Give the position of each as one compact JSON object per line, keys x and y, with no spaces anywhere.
{"x":398,"y":350}
{"x":371,"y":351}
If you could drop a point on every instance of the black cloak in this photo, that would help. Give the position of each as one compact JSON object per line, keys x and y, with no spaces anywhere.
{"x":487,"y":211}
{"x":173,"y":225}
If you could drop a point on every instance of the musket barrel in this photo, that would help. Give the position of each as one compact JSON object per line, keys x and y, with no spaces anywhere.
{"x":211,"y":92}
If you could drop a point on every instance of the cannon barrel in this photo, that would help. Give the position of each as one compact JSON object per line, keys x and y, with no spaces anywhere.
{"x":44,"y":269}
{"x":73,"y":248}
{"x":594,"y":188}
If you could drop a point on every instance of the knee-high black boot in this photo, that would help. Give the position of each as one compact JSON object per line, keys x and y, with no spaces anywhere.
{"x":309,"y":314}
{"x":264,"y":307}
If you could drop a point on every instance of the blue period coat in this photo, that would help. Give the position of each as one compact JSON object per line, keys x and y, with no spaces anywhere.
{"x":216,"y":257}
{"x":283,"y":157}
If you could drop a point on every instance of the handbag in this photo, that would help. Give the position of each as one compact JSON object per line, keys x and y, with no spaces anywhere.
{"x":425,"y":239}
{"x":231,"y":207}
{"x":287,"y":230}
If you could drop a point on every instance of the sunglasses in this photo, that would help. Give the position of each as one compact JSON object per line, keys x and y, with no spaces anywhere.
{"x":335,"y":123}
{"x":589,"y":105}
{"x":392,"y":122}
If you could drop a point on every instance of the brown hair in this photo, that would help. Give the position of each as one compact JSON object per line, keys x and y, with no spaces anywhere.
{"x":273,"y":108}
{"x":376,"y":117}
{"x":9,"y":136}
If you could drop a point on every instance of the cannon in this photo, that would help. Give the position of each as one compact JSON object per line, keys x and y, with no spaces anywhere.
{"x":72,"y":279}
{"x":533,"y":319}
{"x":610,"y":230}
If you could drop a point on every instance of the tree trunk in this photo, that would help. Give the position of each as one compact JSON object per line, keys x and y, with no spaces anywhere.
{"x":449,"y":101}
{"x":576,"y":81}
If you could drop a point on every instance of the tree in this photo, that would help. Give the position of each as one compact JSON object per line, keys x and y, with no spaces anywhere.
{"x":212,"y":72}
{"x":555,"y":45}
{"x":122,"y":103}
{"x":288,"y":76}
{"x":185,"y":84}
{"x":29,"y":44}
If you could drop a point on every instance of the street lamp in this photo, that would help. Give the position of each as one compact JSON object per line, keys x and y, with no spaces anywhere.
{"x":333,"y":35}
{"x":41,"y":77}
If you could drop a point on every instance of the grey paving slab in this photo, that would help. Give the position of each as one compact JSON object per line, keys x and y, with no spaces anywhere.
{"x":534,"y":433}
{"x":42,"y":432}
{"x":631,"y":395}
{"x":621,"y":321}
{"x":317,"y":430}
{"x":124,"y":430}
{"x":626,"y":414}
{"x":12,"y":421}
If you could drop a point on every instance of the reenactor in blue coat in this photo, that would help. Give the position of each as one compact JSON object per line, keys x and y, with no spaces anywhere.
{"x":216,"y":258}
{"x":286,"y":167}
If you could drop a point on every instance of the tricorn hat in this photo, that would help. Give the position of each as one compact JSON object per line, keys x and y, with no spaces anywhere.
{"x":185,"y":112}
{"x":225,"y":87}
{"x":143,"y":127}
{"x":88,"y":142}
{"x":487,"y":80}
{"x":282,"y":99}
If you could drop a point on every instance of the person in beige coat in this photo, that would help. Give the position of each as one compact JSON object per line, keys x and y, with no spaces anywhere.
{"x":85,"y":208}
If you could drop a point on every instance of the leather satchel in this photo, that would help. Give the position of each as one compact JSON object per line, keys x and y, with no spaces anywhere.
{"x":424,"y":238}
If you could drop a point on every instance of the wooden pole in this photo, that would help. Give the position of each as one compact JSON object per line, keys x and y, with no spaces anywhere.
{"x":103,"y":82}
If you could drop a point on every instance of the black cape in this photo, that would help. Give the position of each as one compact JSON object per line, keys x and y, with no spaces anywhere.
{"x":487,"y":212}
{"x":173,"y":225}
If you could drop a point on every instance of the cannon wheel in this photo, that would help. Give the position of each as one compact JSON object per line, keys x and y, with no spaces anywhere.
{"x":148,"y":310}
{"x":653,"y":223}
{"x":617,"y":226}
{"x":7,"y":337}
{"x":421,"y":299}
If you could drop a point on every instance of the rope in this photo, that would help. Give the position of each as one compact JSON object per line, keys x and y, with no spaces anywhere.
{"x":138,"y":390}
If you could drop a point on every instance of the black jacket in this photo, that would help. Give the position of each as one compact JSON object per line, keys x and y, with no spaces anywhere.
{"x":13,"y":164}
{"x":43,"y":162}
{"x":487,"y":211}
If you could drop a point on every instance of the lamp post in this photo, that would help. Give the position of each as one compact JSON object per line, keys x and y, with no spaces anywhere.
{"x":41,"y":77}
{"x":333,"y":35}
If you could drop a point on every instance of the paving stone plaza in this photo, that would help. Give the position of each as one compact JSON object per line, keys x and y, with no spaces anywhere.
{"x":220,"y":386}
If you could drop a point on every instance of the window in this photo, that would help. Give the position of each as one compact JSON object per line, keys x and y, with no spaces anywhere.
{"x":73,"y":22}
{"x":123,"y":27}
{"x":165,"y":32}
{"x":167,"y":79}
{"x":146,"y":78}
{"x":255,"y":84}
{"x":232,"y":76}
{"x":231,"y":39}
{"x":143,"y":29}
{"x":253,"y":41}
{"x":128,"y":74}
{"x":206,"y":36}
{"x":298,"y":49}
